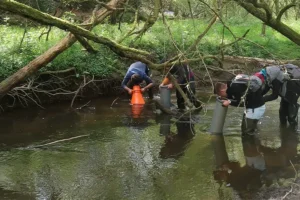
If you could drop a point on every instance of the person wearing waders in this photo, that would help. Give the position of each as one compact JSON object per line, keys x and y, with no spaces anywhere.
{"x":245,"y":91}
{"x":280,"y":81}
{"x":136,"y":74}
{"x":186,"y":79}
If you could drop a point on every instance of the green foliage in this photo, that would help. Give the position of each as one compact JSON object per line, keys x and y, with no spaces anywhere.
{"x":156,"y":40}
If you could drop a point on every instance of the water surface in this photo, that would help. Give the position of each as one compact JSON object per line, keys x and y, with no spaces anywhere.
{"x":151,"y":157}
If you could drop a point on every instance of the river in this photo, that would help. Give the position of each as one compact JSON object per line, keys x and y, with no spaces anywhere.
{"x":103,"y":152}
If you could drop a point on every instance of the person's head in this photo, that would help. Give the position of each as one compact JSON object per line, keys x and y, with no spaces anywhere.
{"x":136,"y":79}
{"x":220,"y":89}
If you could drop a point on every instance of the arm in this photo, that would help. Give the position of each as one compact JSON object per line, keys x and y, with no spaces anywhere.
{"x":276,"y":85}
{"x":234,"y":94}
{"x":266,"y":89}
{"x":167,"y":82}
{"x":124,"y":83}
{"x":149,"y":83}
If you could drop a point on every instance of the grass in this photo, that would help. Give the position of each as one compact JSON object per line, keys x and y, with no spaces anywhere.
{"x":157,"y":39}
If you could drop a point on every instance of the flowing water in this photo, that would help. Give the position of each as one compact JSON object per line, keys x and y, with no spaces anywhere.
{"x":111,"y":154}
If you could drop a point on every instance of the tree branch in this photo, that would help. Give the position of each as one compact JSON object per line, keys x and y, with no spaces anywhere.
{"x":85,"y":44}
{"x":265,"y":7}
{"x":212,"y":22}
{"x":283,"y":10}
{"x":43,"y":59}
{"x":150,"y":21}
{"x":277,"y":25}
{"x":44,"y":18}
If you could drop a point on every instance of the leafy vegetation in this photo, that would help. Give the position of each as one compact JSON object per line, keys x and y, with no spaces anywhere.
{"x":14,"y":56}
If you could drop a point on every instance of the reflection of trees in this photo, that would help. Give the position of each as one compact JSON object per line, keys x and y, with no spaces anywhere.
{"x":114,"y":163}
{"x":33,"y":126}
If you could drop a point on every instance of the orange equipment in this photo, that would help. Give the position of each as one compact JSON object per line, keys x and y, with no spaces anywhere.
{"x":137,"y":97}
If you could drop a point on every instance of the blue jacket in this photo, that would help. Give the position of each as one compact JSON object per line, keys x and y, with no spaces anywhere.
{"x":137,"y":68}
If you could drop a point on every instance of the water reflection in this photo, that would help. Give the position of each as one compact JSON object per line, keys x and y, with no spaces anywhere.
{"x":175,"y":142}
{"x":263,"y":165}
{"x":150,"y":157}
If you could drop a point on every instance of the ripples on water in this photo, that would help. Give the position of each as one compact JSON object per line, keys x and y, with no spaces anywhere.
{"x":150,"y":157}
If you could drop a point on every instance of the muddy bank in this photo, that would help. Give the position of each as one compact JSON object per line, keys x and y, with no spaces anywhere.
{"x":50,"y":88}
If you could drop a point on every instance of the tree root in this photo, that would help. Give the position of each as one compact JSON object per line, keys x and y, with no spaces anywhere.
{"x":36,"y":88}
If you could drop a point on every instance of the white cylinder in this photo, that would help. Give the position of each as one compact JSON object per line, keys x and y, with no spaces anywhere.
{"x":165,"y":96}
{"x":219,"y":116}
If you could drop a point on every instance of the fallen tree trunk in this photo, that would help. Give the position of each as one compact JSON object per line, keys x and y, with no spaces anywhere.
{"x":259,"y":61}
{"x":53,"y":52}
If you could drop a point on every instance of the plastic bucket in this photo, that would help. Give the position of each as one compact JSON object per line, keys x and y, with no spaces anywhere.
{"x":165,"y":96}
{"x":218,"y":119}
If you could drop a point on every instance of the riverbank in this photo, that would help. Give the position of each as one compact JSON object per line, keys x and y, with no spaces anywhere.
{"x":51,"y":87}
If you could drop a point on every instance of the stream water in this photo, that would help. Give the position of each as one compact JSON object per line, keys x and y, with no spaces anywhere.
{"x":117,"y":156}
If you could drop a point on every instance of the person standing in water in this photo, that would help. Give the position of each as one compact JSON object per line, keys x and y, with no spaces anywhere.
{"x":186,"y":80}
{"x":245,"y":91}
{"x":278,"y":80}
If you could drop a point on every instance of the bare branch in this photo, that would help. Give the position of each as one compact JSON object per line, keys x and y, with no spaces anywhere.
{"x":59,"y":72}
{"x":193,"y":46}
{"x":150,"y":21}
{"x":283,"y":10}
{"x":24,"y":33}
{"x":221,"y":20}
{"x":106,"y":6}
{"x":131,"y":30}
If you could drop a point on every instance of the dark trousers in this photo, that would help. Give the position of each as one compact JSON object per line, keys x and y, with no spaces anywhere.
{"x":288,"y":111}
{"x":190,"y":94}
{"x":130,"y":84}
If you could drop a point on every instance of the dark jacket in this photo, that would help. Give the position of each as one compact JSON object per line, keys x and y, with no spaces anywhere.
{"x":276,"y":88}
{"x":182,"y":73}
{"x":236,"y":91}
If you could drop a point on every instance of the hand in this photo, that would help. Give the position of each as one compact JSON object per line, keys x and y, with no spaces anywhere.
{"x":226,"y":103}
{"x":170,"y":86}
{"x":129,"y":91}
{"x":144,"y":89}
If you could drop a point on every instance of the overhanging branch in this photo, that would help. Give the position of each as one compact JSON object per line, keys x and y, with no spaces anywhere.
{"x":44,"y":18}
{"x":264,"y":6}
{"x":283,"y":10}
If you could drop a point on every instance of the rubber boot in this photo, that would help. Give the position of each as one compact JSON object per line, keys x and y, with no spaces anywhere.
{"x":249,"y":126}
{"x":293,"y":115}
{"x":283,"y":112}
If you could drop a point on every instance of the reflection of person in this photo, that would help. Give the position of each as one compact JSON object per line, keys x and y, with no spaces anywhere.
{"x":185,"y":78}
{"x":262,"y":163}
{"x":251,"y":88}
{"x":236,"y":176}
{"x":254,"y":158}
{"x":136,"y":74}
{"x":288,"y":90}
{"x":175,"y":144}
{"x":279,"y":158}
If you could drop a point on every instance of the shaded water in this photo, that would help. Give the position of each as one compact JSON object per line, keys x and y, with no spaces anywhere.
{"x":150,"y":157}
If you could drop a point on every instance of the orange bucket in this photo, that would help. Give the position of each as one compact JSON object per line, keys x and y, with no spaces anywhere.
{"x":136,"y":110}
{"x":137,"y":97}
